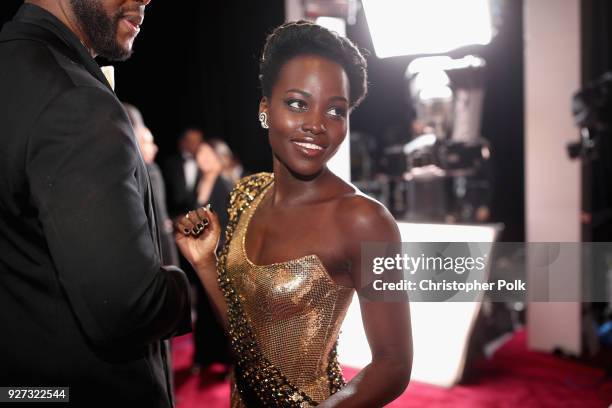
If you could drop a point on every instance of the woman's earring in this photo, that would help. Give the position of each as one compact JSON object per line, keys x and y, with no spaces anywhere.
{"x":263,"y":119}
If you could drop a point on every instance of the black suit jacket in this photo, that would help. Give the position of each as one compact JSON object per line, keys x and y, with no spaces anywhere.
{"x":84,"y":300}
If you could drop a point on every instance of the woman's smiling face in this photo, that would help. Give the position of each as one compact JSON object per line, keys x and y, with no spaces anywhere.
{"x":307,"y":113}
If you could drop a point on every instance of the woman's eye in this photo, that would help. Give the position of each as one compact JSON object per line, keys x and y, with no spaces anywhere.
{"x":296,"y":104}
{"x":337,"y":112}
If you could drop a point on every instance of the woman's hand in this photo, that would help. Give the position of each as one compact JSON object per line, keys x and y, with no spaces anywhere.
{"x":197,"y":236}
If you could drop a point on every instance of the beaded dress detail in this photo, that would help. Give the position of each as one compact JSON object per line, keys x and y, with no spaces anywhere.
{"x":284,"y":318}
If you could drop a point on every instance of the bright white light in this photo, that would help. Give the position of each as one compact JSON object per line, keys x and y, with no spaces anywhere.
{"x":432,"y":84}
{"x":428,"y":172}
{"x":445,"y":63}
{"x":419,"y":232}
{"x":426,"y":140}
{"x":440,"y":330}
{"x":337,"y":25}
{"x":409,"y":27}
{"x":431,"y":93}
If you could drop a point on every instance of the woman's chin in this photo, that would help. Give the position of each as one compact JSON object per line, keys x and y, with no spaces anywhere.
{"x":305,"y":173}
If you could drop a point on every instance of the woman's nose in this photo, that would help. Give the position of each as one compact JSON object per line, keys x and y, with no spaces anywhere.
{"x":314,"y":123}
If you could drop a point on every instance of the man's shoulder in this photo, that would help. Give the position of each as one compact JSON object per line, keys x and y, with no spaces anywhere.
{"x":37,"y":81}
{"x":37,"y":65}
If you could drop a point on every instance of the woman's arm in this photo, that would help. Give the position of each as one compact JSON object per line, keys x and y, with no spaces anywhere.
{"x":200,"y":252}
{"x":387,"y":324}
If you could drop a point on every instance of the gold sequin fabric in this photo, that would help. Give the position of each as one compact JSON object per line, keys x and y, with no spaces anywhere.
{"x":284,"y":318}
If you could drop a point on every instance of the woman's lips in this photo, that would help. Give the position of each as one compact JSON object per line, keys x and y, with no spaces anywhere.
{"x":309,"y":149}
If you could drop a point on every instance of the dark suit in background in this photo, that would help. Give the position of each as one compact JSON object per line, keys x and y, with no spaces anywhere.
{"x":168,"y":246}
{"x":211,"y":344}
{"x":84,"y":299}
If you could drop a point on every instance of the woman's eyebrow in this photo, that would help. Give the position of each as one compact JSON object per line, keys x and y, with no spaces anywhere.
{"x":308,"y":95}
{"x":299,"y":91}
{"x":340,"y":98}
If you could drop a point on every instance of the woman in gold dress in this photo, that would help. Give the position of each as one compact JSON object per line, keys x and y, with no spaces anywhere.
{"x":291,"y":262}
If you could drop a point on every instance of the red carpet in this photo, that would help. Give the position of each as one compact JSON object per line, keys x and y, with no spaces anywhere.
{"x":514,"y":377}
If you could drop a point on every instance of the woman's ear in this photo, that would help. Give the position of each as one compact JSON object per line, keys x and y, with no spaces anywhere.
{"x":263,"y":112}
{"x":263,"y":104}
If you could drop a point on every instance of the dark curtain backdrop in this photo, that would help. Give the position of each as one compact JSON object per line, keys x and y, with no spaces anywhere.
{"x":196,"y":64}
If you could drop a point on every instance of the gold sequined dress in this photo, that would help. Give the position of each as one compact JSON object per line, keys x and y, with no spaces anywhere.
{"x":284,"y":318}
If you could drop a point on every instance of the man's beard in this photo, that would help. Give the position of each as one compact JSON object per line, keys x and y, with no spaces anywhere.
{"x":100,"y":29}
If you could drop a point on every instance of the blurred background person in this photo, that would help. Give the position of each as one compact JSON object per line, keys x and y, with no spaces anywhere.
{"x":232,"y":169}
{"x":193,"y":178}
{"x":149,"y":150}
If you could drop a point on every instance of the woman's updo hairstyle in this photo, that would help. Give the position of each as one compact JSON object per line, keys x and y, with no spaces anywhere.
{"x":303,"y":37}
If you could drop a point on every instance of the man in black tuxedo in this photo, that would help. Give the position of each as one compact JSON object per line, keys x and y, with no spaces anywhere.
{"x":84,"y":299}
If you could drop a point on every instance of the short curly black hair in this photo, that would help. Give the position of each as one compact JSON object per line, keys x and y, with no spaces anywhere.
{"x":304,"y":37}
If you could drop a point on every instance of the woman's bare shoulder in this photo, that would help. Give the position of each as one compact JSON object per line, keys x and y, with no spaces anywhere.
{"x":364,"y":218}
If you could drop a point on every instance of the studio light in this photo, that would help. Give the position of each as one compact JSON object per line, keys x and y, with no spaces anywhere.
{"x":411,"y":27}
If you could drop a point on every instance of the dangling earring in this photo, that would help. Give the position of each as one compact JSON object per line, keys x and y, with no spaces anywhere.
{"x":263,"y":119}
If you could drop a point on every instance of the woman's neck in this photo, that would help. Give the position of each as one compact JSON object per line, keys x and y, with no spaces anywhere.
{"x":291,"y":189}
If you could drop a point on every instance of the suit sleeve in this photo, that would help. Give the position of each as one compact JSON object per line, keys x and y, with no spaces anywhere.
{"x":82,"y":167}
